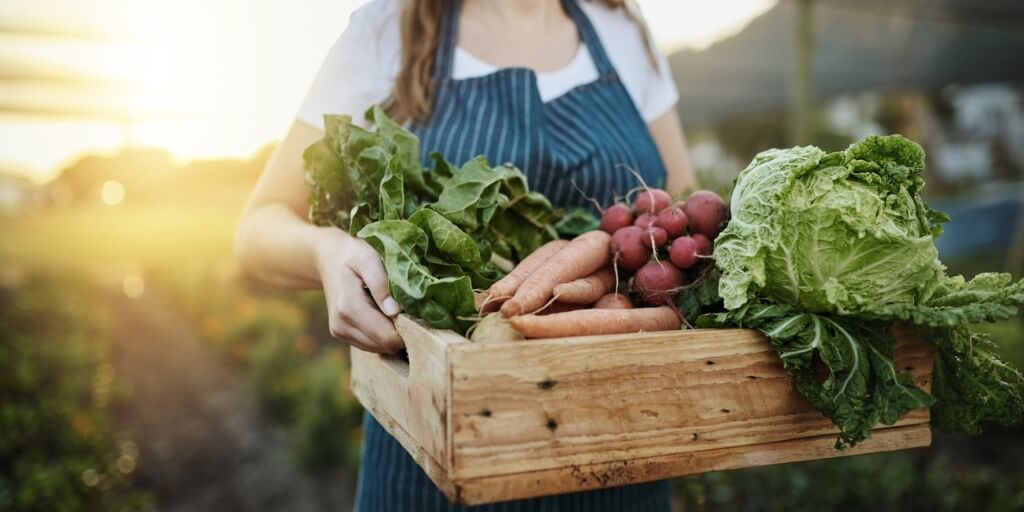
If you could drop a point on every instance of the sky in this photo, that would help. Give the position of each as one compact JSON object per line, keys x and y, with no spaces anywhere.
{"x":200,"y":78}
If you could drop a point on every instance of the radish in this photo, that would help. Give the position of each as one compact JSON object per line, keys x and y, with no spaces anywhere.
{"x":683,"y":252}
{"x":658,"y":282}
{"x":672,"y":220}
{"x":706,"y":212}
{"x":656,"y":236}
{"x":703,"y":244}
{"x":627,"y":248}
{"x":652,"y":200}
{"x":615,"y":217}
{"x":644,"y":220}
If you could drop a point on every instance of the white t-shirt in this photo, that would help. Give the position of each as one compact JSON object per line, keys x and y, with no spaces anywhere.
{"x":361,"y":67}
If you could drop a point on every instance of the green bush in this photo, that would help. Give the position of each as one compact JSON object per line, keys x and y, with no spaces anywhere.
{"x":902,"y":481}
{"x":57,"y":447}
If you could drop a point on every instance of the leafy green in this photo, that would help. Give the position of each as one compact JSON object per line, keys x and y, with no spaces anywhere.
{"x":575,"y":222}
{"x":975,"y":386}
{"x":825,"y":251}
{"x":835,"y":233}
{"x":701,"y":294}
{"x":435,"y":229}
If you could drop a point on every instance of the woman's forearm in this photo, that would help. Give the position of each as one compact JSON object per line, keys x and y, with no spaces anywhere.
{"x":278,"y":247}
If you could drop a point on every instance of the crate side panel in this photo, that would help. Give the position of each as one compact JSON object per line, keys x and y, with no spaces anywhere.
{"x":532,"y":406}
{"x":575,"y":478}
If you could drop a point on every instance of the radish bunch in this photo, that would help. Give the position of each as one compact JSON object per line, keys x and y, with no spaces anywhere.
{"x":660,"y":240}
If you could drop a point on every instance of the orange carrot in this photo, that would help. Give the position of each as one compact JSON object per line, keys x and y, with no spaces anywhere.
{"x":583,"y":256}
{"x":596,"y":321}
{"x":588,"y":289}
{"x":614,"y":301}
{"x":504,"y":288}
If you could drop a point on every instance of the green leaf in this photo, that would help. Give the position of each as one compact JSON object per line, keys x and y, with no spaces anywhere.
{"x":330,"y":190}
{"x":472,"y":196}
{"x":701,"y":293}
{"x":974,"y":386}
{"x":450,"y":241}
{"x":441,"y":302}
{"x":392,"y":195}
{"x":575,"y":222}
{"x":987,"y":297}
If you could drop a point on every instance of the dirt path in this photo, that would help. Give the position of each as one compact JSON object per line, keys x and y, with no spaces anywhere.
{"x":204,"y":444}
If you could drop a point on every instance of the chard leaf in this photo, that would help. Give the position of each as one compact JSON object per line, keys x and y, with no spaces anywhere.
{"x":575,"y":222}
{"x":441,"y":302}
{"x":472,"y":196}
{"x":330,"y":190}
{"x":450,"y":242}
{"x":392,"y":194}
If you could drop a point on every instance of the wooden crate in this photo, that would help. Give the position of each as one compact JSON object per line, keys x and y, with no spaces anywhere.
{"x":502,"y":421}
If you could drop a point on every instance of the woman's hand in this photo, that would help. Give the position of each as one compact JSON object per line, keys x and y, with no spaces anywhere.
{"x":347,"y":265}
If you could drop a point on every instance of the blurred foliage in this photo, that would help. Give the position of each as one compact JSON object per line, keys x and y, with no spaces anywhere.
{"x":280,"y":340}
{"x":57,"y":445}
{"x":905,"y":481}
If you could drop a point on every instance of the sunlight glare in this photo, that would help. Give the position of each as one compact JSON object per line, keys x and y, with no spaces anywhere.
{"x":133,"y":286}
{"x":112,"y":192}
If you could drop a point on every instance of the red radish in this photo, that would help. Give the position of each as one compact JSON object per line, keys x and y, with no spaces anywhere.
{"x":672,"y":220}
{"x":644,"y":220}
{"x":706,"y":212}
{"x":703,"y":244}
{"x":627,"y":248}
{"x":614,"y":301}
{"x":683,"y":252}
{"x":617,"y":216}
{"x":656,"y":236}
{"x":658,"y":282}
{"x":652,"y":200}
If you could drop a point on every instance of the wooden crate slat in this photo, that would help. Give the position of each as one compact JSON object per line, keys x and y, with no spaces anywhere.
{"x":518,"y":406}
{"x":577,"y":478}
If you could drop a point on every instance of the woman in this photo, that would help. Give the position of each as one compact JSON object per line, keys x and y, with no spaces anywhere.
{"x":569,"y":91}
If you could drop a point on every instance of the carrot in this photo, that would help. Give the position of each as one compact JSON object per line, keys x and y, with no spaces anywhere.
{"x":614,"y":301}
{"x":596,"y":321}
{"x":504,"y":288}
{"x":583,"y":256}
{"x":588,"y":289}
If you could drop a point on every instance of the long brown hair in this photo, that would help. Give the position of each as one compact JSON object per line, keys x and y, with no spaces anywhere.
{"x":413,"y":95}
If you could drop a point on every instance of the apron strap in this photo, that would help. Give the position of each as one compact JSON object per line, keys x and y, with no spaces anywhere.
{"x":589,"y":36}
{"x":449,"y":39}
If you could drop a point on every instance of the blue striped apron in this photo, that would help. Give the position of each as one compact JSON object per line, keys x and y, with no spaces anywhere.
{"x":592,"y":136}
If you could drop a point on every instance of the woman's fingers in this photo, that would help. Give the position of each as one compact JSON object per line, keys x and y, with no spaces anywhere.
{"x":370,"y":269}
{"x":353,"y":309}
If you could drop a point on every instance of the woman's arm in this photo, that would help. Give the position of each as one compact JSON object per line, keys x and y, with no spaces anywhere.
{"x":668,"y":136}
{"x":276,"y":244}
